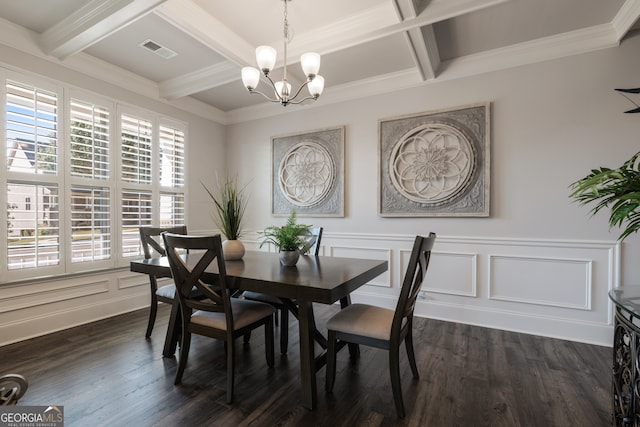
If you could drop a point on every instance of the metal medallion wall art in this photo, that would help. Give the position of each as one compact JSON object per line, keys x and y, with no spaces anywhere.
{"x":436,"y":164}
{"x":308,"y":173}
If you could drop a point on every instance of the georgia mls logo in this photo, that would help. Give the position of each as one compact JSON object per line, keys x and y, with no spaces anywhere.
{"x":32,"y":416}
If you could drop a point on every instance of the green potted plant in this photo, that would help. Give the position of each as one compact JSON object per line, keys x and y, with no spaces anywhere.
{"x":230,"y":207}
{"x":617,"y":189}
{"x":288,"y":238}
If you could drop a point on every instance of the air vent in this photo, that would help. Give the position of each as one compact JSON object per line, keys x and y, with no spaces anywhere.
{"x":156,"y":48}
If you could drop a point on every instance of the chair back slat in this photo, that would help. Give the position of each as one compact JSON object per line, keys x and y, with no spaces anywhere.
{"x":312,"y":245}
{"x":414,"y":276}
{"x":151,"y":240}
{"x":202,"y":252}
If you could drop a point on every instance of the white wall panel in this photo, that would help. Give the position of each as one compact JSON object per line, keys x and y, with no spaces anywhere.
{"x":365,"y":252}
{"x":450,"y":273}
{"x":531,"y":280}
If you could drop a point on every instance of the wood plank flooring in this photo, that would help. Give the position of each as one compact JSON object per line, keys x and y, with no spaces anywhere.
{"x":107,"y":374}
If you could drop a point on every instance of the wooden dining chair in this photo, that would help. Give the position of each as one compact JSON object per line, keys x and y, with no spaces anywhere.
{"x":153,"y":246}
{"x":311,"y":247}
{"x":218,"y":315}
{"x":381,"y":327}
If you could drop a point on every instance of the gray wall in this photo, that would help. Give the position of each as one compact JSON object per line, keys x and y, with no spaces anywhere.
{"x":551,"y":123}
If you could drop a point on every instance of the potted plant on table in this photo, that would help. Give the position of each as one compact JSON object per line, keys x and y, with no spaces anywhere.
{"x":288,"y":238}
{"x":230,"y":208}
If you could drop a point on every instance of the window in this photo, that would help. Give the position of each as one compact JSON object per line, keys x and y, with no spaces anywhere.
{"x":32,"y":185}
{"x":171,"y":176}
{"x":78,"y":185}
{"x":90,"y":224}
{"x":89,"y":140}
{"x":31,"y":129}
{"x":33,"y":238}
{"x":90,"y":204}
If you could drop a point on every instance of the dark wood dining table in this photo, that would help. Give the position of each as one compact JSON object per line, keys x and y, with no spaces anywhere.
{"x":320,"y":279}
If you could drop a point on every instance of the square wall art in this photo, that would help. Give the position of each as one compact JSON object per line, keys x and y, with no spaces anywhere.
{"x":436,"y":163}
{"x":308,"y":173}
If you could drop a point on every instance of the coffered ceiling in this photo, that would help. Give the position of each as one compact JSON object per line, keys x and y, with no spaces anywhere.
{"x":367,"y":46}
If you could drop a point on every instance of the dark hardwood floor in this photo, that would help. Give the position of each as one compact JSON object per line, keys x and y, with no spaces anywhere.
{"x":107,"y":374}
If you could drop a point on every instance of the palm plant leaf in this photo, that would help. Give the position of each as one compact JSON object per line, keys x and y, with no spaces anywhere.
{"x":616,"y":189}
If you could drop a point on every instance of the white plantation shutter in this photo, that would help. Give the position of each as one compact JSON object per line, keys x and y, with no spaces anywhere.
{"x":31,"y":129}
{"x":171,"y":209}
{"x":90,"y":224}
{"x":136,"y":149}
{"x":136,"y":212}
{"x":172,"y":166}
{"x":33,"y":226}
{"x":79,"y":184}
{"x":171,"y":157}
{"x":89,"y":140}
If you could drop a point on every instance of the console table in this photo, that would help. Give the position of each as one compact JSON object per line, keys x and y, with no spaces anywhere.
{"x":626,"y":354}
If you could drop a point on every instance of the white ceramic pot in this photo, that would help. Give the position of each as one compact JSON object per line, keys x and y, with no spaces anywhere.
{"x":289,"y":258}
{"x":232,"y":250}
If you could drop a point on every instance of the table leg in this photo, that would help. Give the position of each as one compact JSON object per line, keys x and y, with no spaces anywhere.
{"x":306,"y":324}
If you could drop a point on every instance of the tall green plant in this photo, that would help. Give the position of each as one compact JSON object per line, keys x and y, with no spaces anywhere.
{"x":617,"y":189}
{"x":289,"y":237}
{"x":230,"y":207}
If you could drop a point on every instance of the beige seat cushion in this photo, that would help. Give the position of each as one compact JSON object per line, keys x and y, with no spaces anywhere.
{"x":244,"y":313}
{"x":363,"y":320}
{"x":167,"y":291}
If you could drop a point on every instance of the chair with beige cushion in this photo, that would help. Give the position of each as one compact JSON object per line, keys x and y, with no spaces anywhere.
{"x":153,"y":246}
{"x":381,"y":327}
{"x":218,"y":315}
{"x":312,"y":247}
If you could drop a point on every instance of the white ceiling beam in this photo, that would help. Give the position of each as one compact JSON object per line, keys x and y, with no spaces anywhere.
{"x":199,"y":24}
{"x":361,"y":29}
{"x":91,"y":23}
{"x":422,"y":42}
{"x":192,"y":19}
{"x":199,"y":80}
{"x":626,"y":17}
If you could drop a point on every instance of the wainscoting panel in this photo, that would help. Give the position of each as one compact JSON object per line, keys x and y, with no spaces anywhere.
{"x":449,"y":273}
{"x":30,"y":309}
{"x":543,"y":287}
{"x":530,"y":280}
{"x":383,"y":254}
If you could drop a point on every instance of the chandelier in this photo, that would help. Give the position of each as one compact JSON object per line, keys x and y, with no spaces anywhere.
{"x":266,"y":60}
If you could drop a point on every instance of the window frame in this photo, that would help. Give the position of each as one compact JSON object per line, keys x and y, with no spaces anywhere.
{"x":65,"y":181}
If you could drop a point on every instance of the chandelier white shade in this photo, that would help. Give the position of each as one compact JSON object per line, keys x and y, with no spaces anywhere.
{"x":266,"y":61}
